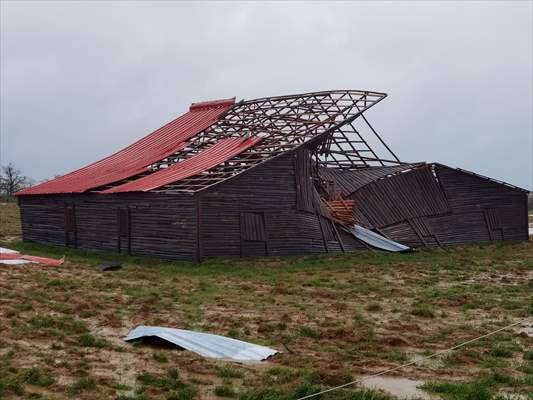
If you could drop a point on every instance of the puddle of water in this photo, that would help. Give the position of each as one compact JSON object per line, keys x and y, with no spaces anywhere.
{"x":401,"y":387}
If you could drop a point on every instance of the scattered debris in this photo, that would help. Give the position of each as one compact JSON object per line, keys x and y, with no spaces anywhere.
{"x":13,"y":257}
{"x":342,"y":211}
{"x":112,"y":266}
{"x":377,"y":241}
{"x":205,"y":344}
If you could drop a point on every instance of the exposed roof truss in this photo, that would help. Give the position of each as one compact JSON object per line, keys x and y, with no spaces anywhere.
{"x":324,"y":120}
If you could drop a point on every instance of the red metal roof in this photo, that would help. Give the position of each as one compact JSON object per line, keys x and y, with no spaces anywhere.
{"x":135,"y":158}
{"x":218,"y":153}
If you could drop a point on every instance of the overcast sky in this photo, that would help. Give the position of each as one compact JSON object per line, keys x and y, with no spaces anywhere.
{"x":80,"y":80}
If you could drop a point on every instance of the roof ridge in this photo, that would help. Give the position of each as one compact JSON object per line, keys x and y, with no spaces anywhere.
{"x":212,"y":104}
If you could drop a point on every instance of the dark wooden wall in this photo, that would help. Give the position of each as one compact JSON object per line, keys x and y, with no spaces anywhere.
{"x":482,"y":209}
{"x":280,"y":197}
{"x":420,"y":207}
{"x":274,"y":209}
{"x":162,"y":225}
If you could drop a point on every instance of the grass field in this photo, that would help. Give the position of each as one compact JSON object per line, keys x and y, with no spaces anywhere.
{"x":9,"y":221}
{"x":334,"y":317}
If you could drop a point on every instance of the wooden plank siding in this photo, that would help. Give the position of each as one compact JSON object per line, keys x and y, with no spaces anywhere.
{"x":274,"y":209}
{"x":473,"y":198}
{"x":162,"y":225}
{"x":417,"y":208}
{"x":274,"y":190}
{"x":401,"y":197}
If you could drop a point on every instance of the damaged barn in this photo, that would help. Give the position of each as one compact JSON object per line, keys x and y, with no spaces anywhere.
{"x":272,"y":176}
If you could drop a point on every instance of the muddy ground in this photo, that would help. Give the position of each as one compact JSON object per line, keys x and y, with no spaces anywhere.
{"x":333,"y":318}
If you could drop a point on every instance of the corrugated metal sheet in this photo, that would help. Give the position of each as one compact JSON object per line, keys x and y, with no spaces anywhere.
{"x":8,"y":256}
{"x":205,"y":344}
{"x":17,"y":261}
{"x":135,"y":158}
{"x":377,"y":241}
{"x":221,"y":151}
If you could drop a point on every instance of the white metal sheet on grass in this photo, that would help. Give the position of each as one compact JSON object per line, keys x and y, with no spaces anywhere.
{"x":12,"y":262}
{"x":7,"y":251}
{"x":205,"y":344}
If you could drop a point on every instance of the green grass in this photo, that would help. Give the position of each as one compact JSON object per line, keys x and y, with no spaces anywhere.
{"x":36,"y":376}
{"x":332,"y":316}
{"x":501,"y":351}
{"x":170,"y":381}
{"x":225,"y":391}
{"x":61,"y":326}
{"x":423,"y":310}
{"x":461,"y":391}
{"x":9,"y":219}
{"x":160,"y":357}
{"x":81,"y":385}
{"x":14,"y":380}
{"x":228,"y":372}
{"x":308,"y":332}
{"x":488,"y":387}
{"x":88,"y":340}
{"x":186,"y":393}
{"x":307,"y":389}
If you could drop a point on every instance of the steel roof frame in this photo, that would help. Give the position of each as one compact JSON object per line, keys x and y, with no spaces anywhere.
{"x":323,"y":120}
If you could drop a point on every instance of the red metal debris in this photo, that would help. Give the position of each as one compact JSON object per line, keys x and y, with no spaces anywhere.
{"x":35,"y":259}
{"x":135,"y":158}
{"x":221,"y":151}
{"x":342,"y":211}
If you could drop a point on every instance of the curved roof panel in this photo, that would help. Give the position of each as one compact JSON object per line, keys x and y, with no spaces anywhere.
{"x":208,"y":158}
{"x":134,"y":159}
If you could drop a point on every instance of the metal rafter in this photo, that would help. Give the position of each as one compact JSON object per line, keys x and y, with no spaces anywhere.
{"x":322,"y":119}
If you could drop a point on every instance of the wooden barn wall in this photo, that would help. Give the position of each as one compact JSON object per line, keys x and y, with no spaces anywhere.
{"x":161,"y":225}
{"x":43,"y":219}
{"x":475,"y":201}
{"x":274,"y":210}
{"x":400,"y":197}
{"x":282,"y":192}
{"x":417,"y":210}
{"x":347,"y":182}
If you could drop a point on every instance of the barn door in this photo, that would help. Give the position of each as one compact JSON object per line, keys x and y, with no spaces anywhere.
{"x":71,"y":236}
{"x":123,"y":225}
{"x":254,"y":238}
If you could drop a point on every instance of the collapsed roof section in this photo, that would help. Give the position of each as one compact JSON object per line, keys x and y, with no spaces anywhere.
{"x":218,"y":140}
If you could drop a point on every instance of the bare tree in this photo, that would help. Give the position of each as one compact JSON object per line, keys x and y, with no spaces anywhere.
{"x":12,"y":180}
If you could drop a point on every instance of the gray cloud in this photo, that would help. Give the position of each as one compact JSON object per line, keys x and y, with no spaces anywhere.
{"x":80,"y":80}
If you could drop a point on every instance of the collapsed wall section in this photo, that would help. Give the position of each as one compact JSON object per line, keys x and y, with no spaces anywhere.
{"x":432,"y":204}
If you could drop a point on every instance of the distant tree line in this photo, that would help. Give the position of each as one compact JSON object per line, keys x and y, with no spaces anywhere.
{"x":11,"y":181}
